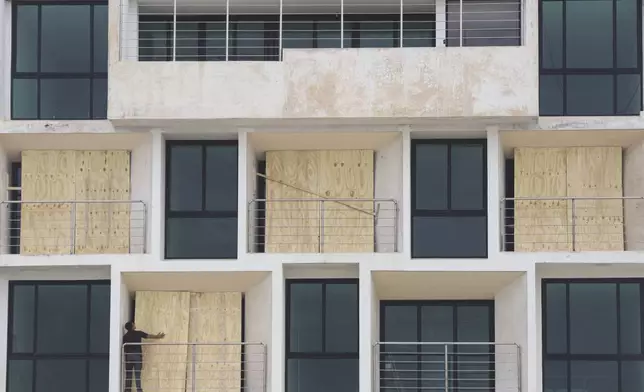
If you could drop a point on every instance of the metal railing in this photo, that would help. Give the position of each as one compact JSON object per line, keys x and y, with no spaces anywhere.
{"x":446,"y":367}
{"x":73,"y":227}
{"x":192,"y":367}
{"x":572,"y":224}
{"x":242,"y":30}
{"x":323,"y":225}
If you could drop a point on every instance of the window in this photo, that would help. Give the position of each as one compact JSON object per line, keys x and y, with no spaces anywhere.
{"x":58,"y":336}
{"x":201,"y":200}
{"x":449,"y":198}
{"x":484,"y":23}
{"x":590,"y":57}
{"x":593,"y":336}
{"x":59,"y":64}
{"x":322,"y":335}
{"x":421,"y":367}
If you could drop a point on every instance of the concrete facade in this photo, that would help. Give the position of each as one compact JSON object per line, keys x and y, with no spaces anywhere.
{"x":377,"y":99}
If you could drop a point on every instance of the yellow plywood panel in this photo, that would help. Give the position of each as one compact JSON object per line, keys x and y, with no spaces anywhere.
{"x":541,"y":225}
{"x":164,"y":366}
{"x":46,"y":228}
{"x":118,"y":165}
{"x":348,"y":226}
{"x":215,"y":318}
{"x":292,"y":227}
{"x":596,"y":172}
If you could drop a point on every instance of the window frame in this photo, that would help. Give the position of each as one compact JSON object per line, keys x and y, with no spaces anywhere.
{"x":419,"y":304}
{"x":38,"y":75}
{"x":449,"y":212}
{"x":568,"y":358}
{"x":614,"y":71}
{"x":323,"y":354}
{"x":204,"y":213}
{"x":34,"y":356}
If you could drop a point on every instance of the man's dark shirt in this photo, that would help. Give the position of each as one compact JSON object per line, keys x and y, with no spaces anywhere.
{"x":135,"y":337}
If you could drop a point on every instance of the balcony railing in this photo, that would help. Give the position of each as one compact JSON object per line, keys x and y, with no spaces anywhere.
{"x":243,"y":30}
{"x":447,"y":367}
{"x":73,"y":227}
{"x":192,"y":367}
{"x":323,"y":225}
{"x":572,"y":224}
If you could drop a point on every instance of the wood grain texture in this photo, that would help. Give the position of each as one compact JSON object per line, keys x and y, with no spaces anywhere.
{"x":541,"y":225}
{"x":292,"y":227}
{"x":596,"y":172}
{"x":46,"y":228}
{"x":216,"y":318}
{"x":164,"y":366}
{"x":347,"y":174}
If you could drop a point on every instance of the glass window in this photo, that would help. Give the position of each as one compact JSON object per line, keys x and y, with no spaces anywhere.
{"x":552,"y":34}
{"x":322,"y":328}
{"x":555,"y":376}
{"x":20,"y":375}
{"x":556,"y":318}
{"x":61,"y":309}
{"x":590,"y":334}
{"x":61,"y":375}
{"x":589,"y":33}
{"x":322,"y":375}
{"x":23,"y":317}
{"x":594,"y":376}
{"x":221,"y":178}
{"x":99,"y":324}
{"x":99,"y":372}
{"x":551,"y":95}
{"x":467,"y":176}
{"x":201,"y":238}
{"x":154,"y":40}
{"x":629,"y":94}
{"x":431,"y":177}
{"x":484,"y":23}
{"x":215,"y":41}
{"x":26,"y":49}
{"x":60,"y":72}
{"x":632,"y":376}
{"x":630,"y":318}
{"x":341,"y":318}
{"x":449,"y":236}
{"x":588,"y":95}
{"x":186,"y":175}
{"x":306,"y":311}
{"x":65,"y":98}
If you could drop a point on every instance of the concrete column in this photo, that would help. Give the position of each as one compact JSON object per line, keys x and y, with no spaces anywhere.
{"x":494,"y":191}
{"x":116,"y":329}
{"x":405,"y":202}
{"x":156,"y":209}
{"x":278,"y":331}
{"x":4,"y":325}
{"x":366,"y":338}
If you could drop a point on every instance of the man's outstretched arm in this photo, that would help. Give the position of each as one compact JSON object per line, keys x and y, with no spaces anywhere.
{"x":160,"y":335}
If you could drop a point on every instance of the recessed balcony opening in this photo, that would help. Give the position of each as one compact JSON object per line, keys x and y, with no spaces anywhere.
{"x":573,"y":191}
{"x":449,"y":331}
{"x":166,"y":30}
{"x":75,"y":194}
{"x":324,"y":192}
{"x":217,"y":326}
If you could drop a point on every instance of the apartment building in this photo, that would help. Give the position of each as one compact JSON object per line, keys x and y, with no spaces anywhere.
{"x":346,"y":196}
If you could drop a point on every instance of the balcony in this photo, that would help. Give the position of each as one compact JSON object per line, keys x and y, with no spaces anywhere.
{"x":346,"y":58}
{"x":317,"y":225}
{"x":191,"y":367}
{"x":447,"y":367}
{"x":572,"y":224}
{"x":73,"y":227}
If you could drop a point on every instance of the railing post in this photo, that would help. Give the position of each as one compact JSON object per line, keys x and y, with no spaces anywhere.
{"x":573,"y":224}
{"x":174,"y":30}
{"x":446,"y":370}
{"x":321,"y":231}
{"x":72,"y":250}
{"x":502,"y":224}
{"x":460,"y":15}
{"x":395,"y":226}
{"x":341,"y":24}
{"x":145,"y":228}
{"x":227,"y":26}
{"x":281,"y":28}
{"x":194,"y":368}
{"x":402,"y":12}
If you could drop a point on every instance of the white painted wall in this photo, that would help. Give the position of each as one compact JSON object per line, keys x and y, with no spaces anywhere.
{"x":141,"y":189}
{"x":510,"y":326}
{"x":388,"y":184}
{"x":258,"y":327}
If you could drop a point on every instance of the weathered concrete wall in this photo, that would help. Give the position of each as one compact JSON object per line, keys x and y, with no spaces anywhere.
{"x":342,"y":83}
{"x":634,"y":186}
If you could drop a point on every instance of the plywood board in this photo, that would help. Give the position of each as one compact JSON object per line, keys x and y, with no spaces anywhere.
{"x":348,"y":226}
{"x":46,"y":228}
{"x":292,"y":227}
{"x":164,"y":366}
{"x":541,"y":225}
{"x":596,"y":172}
{"x":215,"y":318}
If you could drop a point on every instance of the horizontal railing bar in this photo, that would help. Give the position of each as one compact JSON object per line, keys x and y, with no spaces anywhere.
{"x":573,"y":198}
{"x":195,"y":344}
{"x":73,"y":202}
{"x":448,"y":343}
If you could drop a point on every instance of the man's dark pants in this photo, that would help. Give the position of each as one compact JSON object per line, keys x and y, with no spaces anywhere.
{"x":133,"y":365}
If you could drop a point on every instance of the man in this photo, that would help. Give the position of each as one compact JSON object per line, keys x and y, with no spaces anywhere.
{"x":134,"y":355}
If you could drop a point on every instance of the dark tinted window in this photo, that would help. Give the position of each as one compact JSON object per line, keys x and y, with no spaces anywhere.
{"x":590,"y":57}
{"x":52,"y":324}
{"x":449,"y":217}
{"x":201,"y":216}
{"x":60,"y":51}
{"x":484,"y":23}
{"x":322,"y":330}
{"x":593,"y":337}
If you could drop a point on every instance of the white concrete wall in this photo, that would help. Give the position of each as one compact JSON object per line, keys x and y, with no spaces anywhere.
{"x":388,"y":184}
{"x":258,"y":330}
{"x":510,"y":326}
{"x":342,"y":83}
{"x":141,"y":189}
